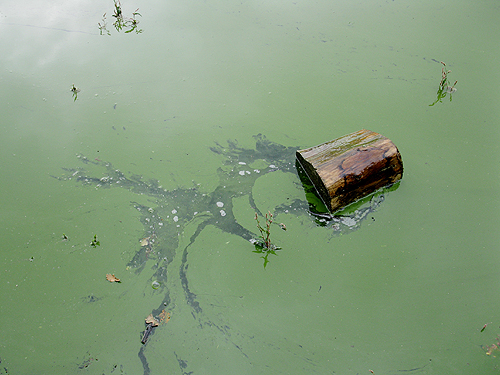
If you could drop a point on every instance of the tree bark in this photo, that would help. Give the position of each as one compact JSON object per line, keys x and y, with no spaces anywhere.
{"x":351,"y":167}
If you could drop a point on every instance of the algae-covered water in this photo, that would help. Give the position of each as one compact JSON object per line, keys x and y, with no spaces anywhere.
{"x":162,"y":143}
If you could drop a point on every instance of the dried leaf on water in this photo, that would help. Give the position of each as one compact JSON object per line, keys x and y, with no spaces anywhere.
{"x":144,"y":241}
{"x":490,"y":349}
{"x":151,"y":319}
{"x":493,"y":348}
{"x":112,"y":278}
{"x":164,"y":316}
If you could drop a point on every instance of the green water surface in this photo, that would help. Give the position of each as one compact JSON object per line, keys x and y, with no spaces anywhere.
{"x":172,"y":113}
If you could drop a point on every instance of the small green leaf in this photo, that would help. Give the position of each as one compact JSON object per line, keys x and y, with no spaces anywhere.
{"x":265,"y":260}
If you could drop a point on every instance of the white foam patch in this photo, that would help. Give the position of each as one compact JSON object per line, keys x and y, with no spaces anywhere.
{"x":349,"y":221}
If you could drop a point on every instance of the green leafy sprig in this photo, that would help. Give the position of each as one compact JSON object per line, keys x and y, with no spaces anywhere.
{"x":95,"y":242}
{"x":265,"y":247}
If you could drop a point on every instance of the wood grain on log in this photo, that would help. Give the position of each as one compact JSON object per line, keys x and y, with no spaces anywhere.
{"x":351,"y":167}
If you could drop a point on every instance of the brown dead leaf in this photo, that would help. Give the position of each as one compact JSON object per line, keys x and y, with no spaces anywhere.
{"x":151,"y":319}
{"x":164,"y":316}
{"x":112,"y":278}
{"x":491,"y":349}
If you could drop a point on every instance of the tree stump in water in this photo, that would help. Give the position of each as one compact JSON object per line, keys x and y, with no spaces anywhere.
{"x":351,"y":167}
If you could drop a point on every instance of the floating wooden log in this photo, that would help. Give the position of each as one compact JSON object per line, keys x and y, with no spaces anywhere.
{"x":351,"y":167}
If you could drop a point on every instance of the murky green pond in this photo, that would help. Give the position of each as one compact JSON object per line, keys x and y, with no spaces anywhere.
{"x":164,"y":141}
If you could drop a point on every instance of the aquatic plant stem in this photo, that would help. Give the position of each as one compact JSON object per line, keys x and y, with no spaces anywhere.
{"x":265,"y":234}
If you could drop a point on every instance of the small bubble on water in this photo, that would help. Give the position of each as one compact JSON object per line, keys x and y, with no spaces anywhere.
{"x":155,"y":284}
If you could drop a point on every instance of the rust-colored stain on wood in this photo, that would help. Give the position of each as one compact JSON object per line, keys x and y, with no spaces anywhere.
{"x":350,"y":167}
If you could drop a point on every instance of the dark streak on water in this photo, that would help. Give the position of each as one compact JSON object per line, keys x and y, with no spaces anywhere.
{"x":177,"y":208}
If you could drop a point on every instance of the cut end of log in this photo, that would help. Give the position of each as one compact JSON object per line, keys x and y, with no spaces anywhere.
{"x":351,"y":167}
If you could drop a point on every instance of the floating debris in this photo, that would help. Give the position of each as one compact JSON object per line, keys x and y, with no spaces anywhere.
{"x":95,"y":242}
{"x":164,"y":316}
{"x":150,"y":319}
{"x":484,"y":327}
{"x":75,"y":92}
{"x":145,"y":241}
{"x":112,"y":278}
